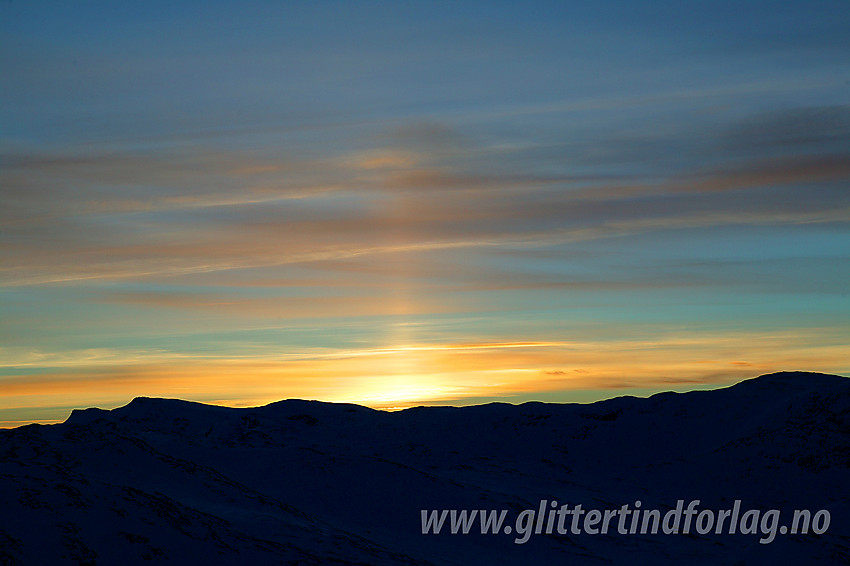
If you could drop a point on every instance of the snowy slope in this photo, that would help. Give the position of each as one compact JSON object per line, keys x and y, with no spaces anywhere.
{"x":303,"y":482}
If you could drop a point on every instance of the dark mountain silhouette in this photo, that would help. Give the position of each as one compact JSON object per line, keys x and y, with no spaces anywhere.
{"x":304,"y":482}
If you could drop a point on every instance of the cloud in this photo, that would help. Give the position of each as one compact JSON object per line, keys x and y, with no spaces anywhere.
{"x":794,"y":170}
{"x":794,"y":127}
{"x":383,"y":160}
{"x":249,"y":232}
{"x":129,"y":214}
{"x":287,"y":308}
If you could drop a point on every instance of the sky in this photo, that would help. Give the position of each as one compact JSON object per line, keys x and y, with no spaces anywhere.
{"x":404,"y":203}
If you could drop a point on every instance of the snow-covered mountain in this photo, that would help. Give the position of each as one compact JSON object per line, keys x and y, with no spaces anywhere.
{"x":304,"y":482}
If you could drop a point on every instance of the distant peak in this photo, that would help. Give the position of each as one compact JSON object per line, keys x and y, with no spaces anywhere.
{"x":792,"y":376}
{"x":163,"y":402}
{"x":151,"y":400}
{"x":795,"y":380}
{"x":85,"y":416}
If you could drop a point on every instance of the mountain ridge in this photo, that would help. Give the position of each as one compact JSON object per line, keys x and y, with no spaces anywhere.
{"x":785,"y":378}
{"x":312,"y":482}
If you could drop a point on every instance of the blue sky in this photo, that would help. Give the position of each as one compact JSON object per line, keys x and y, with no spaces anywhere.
{"x":400,"y":203}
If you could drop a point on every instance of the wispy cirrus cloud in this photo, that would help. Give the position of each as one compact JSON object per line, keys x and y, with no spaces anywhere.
{"x":156,"y":229}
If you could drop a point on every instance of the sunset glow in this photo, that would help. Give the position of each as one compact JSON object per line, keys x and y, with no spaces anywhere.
{"x":401,"y":204}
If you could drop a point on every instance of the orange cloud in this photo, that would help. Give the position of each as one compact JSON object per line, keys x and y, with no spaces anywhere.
{"x":409,"y":374}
